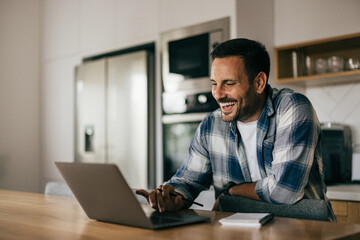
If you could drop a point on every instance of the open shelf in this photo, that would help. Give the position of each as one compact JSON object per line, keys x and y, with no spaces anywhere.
{"x":296,"y":63}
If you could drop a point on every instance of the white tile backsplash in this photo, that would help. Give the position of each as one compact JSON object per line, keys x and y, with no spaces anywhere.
{"x":322,"y":100}
{"x":338,"y":103}
{"x":338,"y":92}
{"x":346,"y":105}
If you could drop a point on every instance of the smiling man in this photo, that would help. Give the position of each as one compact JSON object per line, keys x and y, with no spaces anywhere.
{"x":238,"y":99}
{"x":262,"y":143}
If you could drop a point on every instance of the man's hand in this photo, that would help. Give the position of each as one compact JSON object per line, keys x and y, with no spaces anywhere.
{"x":164,"y":199}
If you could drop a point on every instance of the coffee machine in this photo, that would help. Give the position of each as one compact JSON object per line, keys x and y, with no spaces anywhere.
{"x":336,"y":146}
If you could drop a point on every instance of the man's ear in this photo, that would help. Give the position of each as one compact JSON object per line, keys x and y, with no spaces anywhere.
{"x":260,"y":82}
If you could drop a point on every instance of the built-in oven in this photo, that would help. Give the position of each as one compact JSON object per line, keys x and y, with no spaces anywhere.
{"x":178,"y":132}
{"x":186,"y":96}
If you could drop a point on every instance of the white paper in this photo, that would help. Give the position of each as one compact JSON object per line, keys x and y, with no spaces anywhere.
{"x":355,"y":176}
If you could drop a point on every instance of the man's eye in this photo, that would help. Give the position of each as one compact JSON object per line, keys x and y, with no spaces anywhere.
{"x":230,"y":84}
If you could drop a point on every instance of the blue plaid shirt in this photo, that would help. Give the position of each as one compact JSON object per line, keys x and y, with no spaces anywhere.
{"x":288,"y":153}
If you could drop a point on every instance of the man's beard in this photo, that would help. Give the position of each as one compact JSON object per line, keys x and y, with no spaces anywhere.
{"x":242,"y":113}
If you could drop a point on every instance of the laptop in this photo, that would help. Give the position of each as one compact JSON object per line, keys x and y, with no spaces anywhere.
{"x":104,"y":194}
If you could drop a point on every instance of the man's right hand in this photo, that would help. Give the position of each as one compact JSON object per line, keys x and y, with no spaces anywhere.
{"x":164,"y":199}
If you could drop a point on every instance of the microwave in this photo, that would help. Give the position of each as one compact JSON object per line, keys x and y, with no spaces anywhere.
{"x":186,"y":55}
{"x":186,"y":64}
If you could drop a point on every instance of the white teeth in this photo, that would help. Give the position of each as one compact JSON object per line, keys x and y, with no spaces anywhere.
{"x":227,"y":104}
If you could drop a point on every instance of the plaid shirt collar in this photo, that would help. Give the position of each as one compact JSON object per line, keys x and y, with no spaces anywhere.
{"x":267,"y":111}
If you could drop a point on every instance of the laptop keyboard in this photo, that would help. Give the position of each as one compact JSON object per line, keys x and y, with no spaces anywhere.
{"x":166,"y":217}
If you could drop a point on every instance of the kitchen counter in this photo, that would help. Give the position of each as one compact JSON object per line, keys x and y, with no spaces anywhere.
{"x":346,"y":192}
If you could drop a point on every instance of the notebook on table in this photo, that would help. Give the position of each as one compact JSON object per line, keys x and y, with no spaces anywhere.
{"x":104,"y":194}
{"x":247,"y":219}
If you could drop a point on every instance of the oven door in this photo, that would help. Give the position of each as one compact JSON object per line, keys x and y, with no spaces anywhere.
{"x":178,"y":132}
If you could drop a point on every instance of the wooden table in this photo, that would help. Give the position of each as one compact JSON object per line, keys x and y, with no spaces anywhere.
{"x":37,"y":216}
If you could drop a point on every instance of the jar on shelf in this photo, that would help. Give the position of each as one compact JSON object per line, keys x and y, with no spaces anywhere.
{"x":321,"y":65}
{"x":352,"y":63}
{"x":335,"y":64}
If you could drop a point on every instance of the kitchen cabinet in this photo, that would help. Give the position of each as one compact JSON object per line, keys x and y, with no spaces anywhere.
{"x":346,"y":211}
{"x":345,"y":201}
{"x":319,"y":62}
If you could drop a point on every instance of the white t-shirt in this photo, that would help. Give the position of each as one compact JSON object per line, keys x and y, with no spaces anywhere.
{"x":248,"y":136}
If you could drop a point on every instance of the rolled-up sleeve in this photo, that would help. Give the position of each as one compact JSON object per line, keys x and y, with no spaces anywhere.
{"x":195,"y":173}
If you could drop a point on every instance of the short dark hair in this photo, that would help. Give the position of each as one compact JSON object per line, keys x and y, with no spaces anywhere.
{"x":256,"y":58}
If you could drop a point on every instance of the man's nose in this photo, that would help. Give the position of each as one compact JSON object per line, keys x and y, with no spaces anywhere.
{"x":218,"y":92}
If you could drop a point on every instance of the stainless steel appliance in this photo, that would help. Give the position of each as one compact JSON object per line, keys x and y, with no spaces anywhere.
{"x":336,"y":149}
{"x":186,"y":97}
{"x":178,"y":134}
{"x":115,"y":114}
{"x":186,"y":66}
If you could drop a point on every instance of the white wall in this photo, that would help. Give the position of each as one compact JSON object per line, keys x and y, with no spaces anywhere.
{"x":298,"y":21}
{"x":306,"y":20}
{"x":259,"y":26}
{"x":175,"y":14}
{"x":19,"y":94}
